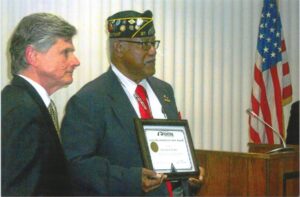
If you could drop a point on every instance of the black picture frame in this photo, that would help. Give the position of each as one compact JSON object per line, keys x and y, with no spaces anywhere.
{"x":169,"y":133}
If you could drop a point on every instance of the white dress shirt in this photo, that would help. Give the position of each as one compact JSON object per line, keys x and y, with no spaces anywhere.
{"x":41,"y":91}
{"x":129,"y":87}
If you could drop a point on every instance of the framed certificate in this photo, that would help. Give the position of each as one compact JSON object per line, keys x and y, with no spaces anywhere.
{"x":167,"y":147}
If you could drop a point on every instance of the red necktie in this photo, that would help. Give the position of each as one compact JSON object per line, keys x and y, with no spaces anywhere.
{"x":142,"y":98}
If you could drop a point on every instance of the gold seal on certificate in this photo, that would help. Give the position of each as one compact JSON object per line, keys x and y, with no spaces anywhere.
{"x":154,"y":147}
{"x":167,"y":147}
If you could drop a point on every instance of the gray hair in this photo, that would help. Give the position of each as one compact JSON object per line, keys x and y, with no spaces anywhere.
{"x":41,"y":30}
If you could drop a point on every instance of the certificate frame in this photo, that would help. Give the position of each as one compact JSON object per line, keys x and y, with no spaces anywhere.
{"x":167,"y":147}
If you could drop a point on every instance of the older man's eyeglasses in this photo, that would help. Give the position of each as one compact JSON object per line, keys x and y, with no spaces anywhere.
{"x":145,"y":45}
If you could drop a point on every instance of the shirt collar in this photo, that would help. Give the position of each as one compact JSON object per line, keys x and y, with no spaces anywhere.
{"x":126,"y":82}
{"x":41,"y":91}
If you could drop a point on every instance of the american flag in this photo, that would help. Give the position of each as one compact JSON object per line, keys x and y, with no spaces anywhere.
{"x":271,"y":88}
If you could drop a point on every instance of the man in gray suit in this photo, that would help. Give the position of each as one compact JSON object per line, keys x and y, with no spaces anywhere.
{"x":98,"y":131}
{"x":42,"y":61}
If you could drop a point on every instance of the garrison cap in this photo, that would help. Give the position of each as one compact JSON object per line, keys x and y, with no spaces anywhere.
{"x":130,"y":24}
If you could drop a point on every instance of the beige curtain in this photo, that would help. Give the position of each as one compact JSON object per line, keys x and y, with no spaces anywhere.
{"x":207,"y":54}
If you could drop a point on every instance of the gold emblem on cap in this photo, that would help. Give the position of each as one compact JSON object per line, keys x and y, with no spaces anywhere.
{"x":131,"y":27}
{"x":131,"y":21}
{"x":122,"y":28}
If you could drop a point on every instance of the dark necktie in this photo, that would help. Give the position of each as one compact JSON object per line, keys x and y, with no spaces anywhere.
{"x":53,"y":112}
{"x":142,"y":98}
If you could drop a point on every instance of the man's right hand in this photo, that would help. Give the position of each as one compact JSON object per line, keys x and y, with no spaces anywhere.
{"x":151,"y":180}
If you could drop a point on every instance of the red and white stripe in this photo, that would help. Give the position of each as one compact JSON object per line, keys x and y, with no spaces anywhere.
{"x":270,"y":92}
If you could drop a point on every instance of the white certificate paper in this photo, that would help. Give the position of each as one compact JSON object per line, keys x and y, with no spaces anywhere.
{"x":169,"y":148}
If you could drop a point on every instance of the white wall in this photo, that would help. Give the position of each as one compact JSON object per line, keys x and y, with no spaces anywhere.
{"x":207,"y":53}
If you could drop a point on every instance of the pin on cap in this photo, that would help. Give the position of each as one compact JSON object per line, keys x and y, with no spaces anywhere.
{"x":130,"y":24}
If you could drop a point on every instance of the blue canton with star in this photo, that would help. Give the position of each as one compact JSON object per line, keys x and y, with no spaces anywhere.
{"x":269,"y":36}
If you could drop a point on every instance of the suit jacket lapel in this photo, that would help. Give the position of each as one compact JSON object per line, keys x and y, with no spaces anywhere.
{"x":120,"y":102}
{"x":20,"y":82}
{"x":165,"y":98}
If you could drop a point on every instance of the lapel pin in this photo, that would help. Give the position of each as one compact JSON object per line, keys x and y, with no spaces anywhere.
{"x":166,"y":99}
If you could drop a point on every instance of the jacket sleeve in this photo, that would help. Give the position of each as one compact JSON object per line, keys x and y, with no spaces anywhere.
{"x":83,"y":129}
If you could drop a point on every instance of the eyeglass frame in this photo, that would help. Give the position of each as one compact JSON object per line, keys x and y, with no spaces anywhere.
{"x":145,"y":45}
